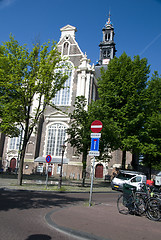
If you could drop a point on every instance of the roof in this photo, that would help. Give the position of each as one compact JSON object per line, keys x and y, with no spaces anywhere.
{"x":98,"y":70}
{"x":131,"y":172}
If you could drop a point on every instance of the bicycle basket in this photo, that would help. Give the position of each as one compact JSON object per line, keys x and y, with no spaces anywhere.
{"x":127,"y":189}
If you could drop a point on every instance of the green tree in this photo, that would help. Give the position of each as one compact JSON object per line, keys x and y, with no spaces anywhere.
{"x":79,"y":131}
{"x":122,"y":98}
{"x":109,"y":134}
{"x":151,"y":131}
{"x":28,"y":82}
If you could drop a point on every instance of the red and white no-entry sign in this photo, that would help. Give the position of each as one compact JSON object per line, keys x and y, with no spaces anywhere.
{"x":96,"y":126}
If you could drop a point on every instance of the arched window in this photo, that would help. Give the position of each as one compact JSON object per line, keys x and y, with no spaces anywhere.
{"x":56,"y":136}
{"x":63,"y":97}
{"x":65,"y":48}
{"x":104,"y":53}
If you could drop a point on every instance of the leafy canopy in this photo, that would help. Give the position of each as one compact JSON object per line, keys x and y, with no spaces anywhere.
{"x":27,"y":77}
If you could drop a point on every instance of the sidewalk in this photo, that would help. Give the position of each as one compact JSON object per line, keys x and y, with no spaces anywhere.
{"x":38,"y":183}
{"x":102,"y":222}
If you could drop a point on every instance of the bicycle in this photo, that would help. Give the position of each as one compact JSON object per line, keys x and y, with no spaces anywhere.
{"x":131,"y":201}
{"x":153,"y":207}
{"x":139,"y":202}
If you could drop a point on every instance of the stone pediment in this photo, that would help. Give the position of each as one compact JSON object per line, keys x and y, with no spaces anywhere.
{"x":58,"y":115}
{"x":68,"y":28}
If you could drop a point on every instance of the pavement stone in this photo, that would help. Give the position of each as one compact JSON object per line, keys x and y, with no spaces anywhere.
{"x":102,"y":222}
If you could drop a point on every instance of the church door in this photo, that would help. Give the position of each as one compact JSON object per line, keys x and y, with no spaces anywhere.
{"x":99,"y":171}
{"x":13,"y":164}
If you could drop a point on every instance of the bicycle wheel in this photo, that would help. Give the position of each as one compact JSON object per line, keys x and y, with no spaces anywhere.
{"x":140,"y":205}
{"x":122,"y":204}
{"x":153,"y":209}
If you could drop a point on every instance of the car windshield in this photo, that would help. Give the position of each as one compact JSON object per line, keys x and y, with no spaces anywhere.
{"x":125,"y":176}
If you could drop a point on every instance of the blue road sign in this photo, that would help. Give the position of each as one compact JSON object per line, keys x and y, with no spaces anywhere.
{"x":94,"y":144}
{"x":48,"y":158}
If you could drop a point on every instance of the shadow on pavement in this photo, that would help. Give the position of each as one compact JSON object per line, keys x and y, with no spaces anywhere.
{"x":38,"y":237}
{"x":20,"y":199}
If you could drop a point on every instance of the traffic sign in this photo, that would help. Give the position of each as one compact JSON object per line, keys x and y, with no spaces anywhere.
{"x":95,"y":135}
{"x":94,"y":144}
{"x":94,"y":153}
{"x":96,"y":126}
{"x":48,"y":158}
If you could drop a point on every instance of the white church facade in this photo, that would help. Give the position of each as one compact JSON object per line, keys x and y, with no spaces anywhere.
{"x":51,"y":133}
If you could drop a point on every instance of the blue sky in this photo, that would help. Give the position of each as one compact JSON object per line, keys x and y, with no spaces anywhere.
{"x":137,"y":24}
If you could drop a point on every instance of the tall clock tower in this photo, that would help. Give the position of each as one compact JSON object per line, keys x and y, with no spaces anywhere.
{"x":107,"y":46}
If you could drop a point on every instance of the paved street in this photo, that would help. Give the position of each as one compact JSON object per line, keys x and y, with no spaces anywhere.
{"x":31,"y":215}
{"x":22,"y":214}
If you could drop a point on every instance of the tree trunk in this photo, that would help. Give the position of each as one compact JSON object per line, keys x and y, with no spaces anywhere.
{"x":84,"y":169}
{"x":123,"y":159}
{"x":22,"y":156}
{"x":149,"y":177}
{"x":20,"y":171}
{"x":135,"y":161}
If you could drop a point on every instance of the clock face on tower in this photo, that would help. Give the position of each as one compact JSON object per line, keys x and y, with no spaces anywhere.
{"x":105,"y":61}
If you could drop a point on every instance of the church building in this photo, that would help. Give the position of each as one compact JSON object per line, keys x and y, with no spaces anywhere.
{"x":51,"y":134}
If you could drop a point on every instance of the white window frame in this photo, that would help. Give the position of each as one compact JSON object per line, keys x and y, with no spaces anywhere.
{"x":63,"y":97}
{"x":14,"y":142}
{"x":58,"y":169}
{"x":55,"y":138}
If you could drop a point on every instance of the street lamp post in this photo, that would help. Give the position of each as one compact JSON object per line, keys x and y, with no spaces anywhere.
{"x":61,"y":169}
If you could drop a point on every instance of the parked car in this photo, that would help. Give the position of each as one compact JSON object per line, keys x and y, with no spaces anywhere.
{"x":158,"y":179}
{"x":130,"y":177}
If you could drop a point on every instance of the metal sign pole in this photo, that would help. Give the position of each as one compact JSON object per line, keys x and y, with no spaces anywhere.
{"x":90,"y":197}
{"x":48,"y":160}
{"x":96,"y":127}
{"x":47,"y":176}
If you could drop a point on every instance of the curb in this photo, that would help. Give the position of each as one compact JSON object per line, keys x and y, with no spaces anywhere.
{"x":7,"y":188}
{"x":68,"y":231}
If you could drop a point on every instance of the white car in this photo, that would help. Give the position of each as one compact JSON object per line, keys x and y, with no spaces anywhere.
{"x":158,"y":179}
{"x":133,"y":178}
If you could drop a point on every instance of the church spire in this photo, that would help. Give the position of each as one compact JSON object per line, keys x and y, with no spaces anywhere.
{"x":107,"y":46}
{"x":109,"y":23}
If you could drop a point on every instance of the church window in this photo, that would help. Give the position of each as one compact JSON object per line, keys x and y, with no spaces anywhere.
{"x":56,"y":137}
{"x":14,"y":143}
{"x":104,"y":53}
{"x":58,"y":169}
{"x":65,"y":48}
{"x":108,"y":52}
{"x":106,"y":37}
{"x":63,"y":96}
{"x":109,"y":36}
